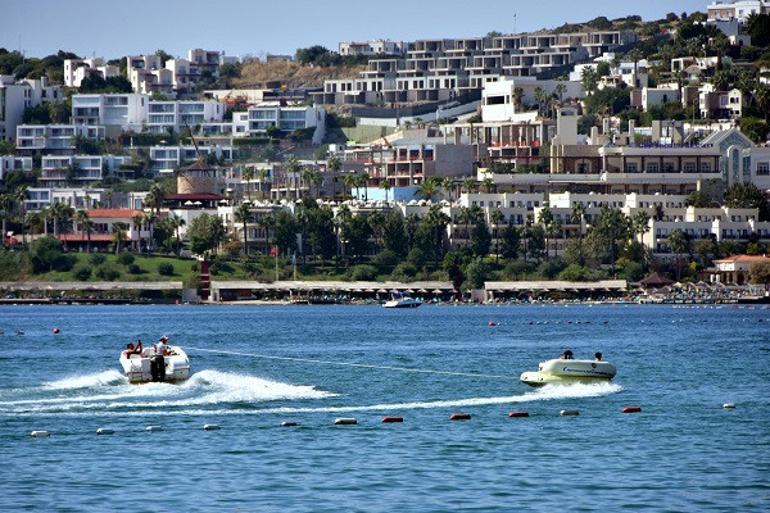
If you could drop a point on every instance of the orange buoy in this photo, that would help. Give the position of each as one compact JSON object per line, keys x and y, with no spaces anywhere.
{"x":460,"y":416}
{"x":392,"y":419}
{"x":632,"y":409}
{"x":56,"y":331}
{"x":519,"y":414}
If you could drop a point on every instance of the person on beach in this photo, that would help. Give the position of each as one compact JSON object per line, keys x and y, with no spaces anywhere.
{"x":598,"y":356}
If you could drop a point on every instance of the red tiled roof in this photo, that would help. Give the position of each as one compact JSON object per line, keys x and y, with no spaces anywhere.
{"x":83,"y":237}
{"x":127,"y":213}
{"x":745,"y":258}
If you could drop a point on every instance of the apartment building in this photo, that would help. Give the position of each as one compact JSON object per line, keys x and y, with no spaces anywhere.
{"x":61,"y":169}
{"x":238,"y":127}
{"x":17,"y":96}
{"x":54,"y":139}
{"x":501,"y":100}
{"x":739,"y":10}
{"x":443,"y":69}
{"x":10,"y":163}
{"x":720,"y":104}
{"x":75,"y":70}
{"x":117,"y":112}
{"x":167,"y":159}
{"x":372,"y":47}
{"x":39,"y":198}
{"x":105,"y":222}
{"x":172,"y":116}
{"x":286,"y":118}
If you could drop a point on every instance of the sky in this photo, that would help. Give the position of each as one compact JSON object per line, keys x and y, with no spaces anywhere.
{"x":110,"y":28}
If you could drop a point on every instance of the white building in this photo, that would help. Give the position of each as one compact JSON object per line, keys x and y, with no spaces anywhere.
{"x":39,"y":198}
{"x":60,"y":169}
{"x":10,"y":163}
{"x":172,"y":116}
{"x":54,"y":138}
{"x":118,"y":112}
{"x":658,"y":96}
{"x":373,"y":47}
{"x":166,"y":159}
{"x":737,"y":10}
{"x":75,"y":70}
{"x":17,"y":96}
{"x":502,"y":99}
{"x":287,"y":119}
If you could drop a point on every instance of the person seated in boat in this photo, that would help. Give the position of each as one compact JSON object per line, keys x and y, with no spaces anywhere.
{"x":598,"y":356}
{"x":132,"y":350}
{"x":567,"y":355}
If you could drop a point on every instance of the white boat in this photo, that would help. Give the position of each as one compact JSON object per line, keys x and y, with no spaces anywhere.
{"x":563,"y":371}
{"x":402,"y":302}
{"x":137,"y":367}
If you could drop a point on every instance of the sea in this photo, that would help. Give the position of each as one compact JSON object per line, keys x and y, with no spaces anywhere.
{"x":256,"y":367}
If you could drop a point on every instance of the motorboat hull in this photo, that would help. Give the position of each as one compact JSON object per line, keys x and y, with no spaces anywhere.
{"x":137,"y":368}
{"x":402,"y":303}
{"x":566,"y":372}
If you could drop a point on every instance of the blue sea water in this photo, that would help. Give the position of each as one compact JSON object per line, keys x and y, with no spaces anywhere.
{"x":684,"y":452}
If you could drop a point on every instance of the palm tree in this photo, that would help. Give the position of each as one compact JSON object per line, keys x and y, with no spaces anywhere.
{"x":469,"y":185}
{"x":447,"y":184}
{"x":560,"y":89}
{"x":488,"y":185}
{"x":262,"y":176}
{"x":313,"y":178}
{"x":155,"y":197}
{"x":464,"y":218}
{"x":60,"y":212}
{"x":640,"y":223}
{"x":247,"y":175}
{"x":292,"y":168}
{"x":762,"y":98}
{"x":427,"y":188}
{"x":244,"y":215}
{"x":118,"y":235}
{"x":495,"y":217}
{"x":85,"y":224}
{"x":138,"y":222}
{"x":349,"y":181}
{"x":6,"y":207}
{"x":546,"y":219}
{"x":334,"y":165}
{"x":19,"y":195}
{"x":385,"y":186}
{"x":150,"y":218}
{"x":363,"y":181}
{"x":518,"y":96}
{"x":176,"y":222}
{"x":680,"y":244}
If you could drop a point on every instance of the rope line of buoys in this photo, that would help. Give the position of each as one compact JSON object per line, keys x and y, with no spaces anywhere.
{"x":351,"y":421}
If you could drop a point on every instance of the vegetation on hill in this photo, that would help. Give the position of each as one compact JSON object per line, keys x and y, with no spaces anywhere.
{"x":292,"y":74}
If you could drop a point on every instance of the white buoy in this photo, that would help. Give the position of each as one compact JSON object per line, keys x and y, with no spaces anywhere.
{"x":729,"y":406}
{"x":154,"y":428}
{"x":104,"y":431}
{"x":211,"y":427}
{"x":569,"y":413}
{"x":345,"y":421}
{"x":40,"y":434}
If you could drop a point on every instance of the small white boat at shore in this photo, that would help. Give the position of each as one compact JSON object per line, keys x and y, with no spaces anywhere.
{"x":138,"y":367}
{"x":565,"y":372}
{"x":402,"y":302}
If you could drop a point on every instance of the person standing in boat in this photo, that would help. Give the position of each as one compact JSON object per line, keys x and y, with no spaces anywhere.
{"x":567,"y":355}
{"x":158,"y":362}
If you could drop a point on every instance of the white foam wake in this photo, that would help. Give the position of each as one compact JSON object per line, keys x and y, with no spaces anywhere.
{"x":110,"y":391}
{"x":546,"y":393}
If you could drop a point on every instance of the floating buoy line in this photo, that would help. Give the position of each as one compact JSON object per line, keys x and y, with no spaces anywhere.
{"x":353,"y":364}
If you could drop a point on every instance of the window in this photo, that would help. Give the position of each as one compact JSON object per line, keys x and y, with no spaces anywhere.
{"x":631,"y":167}
{"x":763,"y":168}
{"x":690,"y":167}
{"x":652,"y":167}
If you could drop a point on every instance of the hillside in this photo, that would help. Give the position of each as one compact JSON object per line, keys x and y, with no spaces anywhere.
{"x":293,"y":74}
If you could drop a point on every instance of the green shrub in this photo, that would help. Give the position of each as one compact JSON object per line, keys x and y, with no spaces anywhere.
{"x":165,"y":269}
{"x":97,"y":259}
{"x":83,"y":273}
{"x":385,"y":260}
{"x":363,"y":273}
{"x":107,"y":274}
{"x":46,"y":255}
{"x":134,"y":269}
{"x":126,"y":259}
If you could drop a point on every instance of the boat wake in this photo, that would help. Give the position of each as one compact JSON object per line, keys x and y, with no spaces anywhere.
{"x":207,"y":391}
{"x":109,"y":392}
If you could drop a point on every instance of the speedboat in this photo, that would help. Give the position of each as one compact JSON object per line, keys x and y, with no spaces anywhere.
{"x":138,"y":370}
{"x":561,"y":371}
{"x":402,"y":302}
